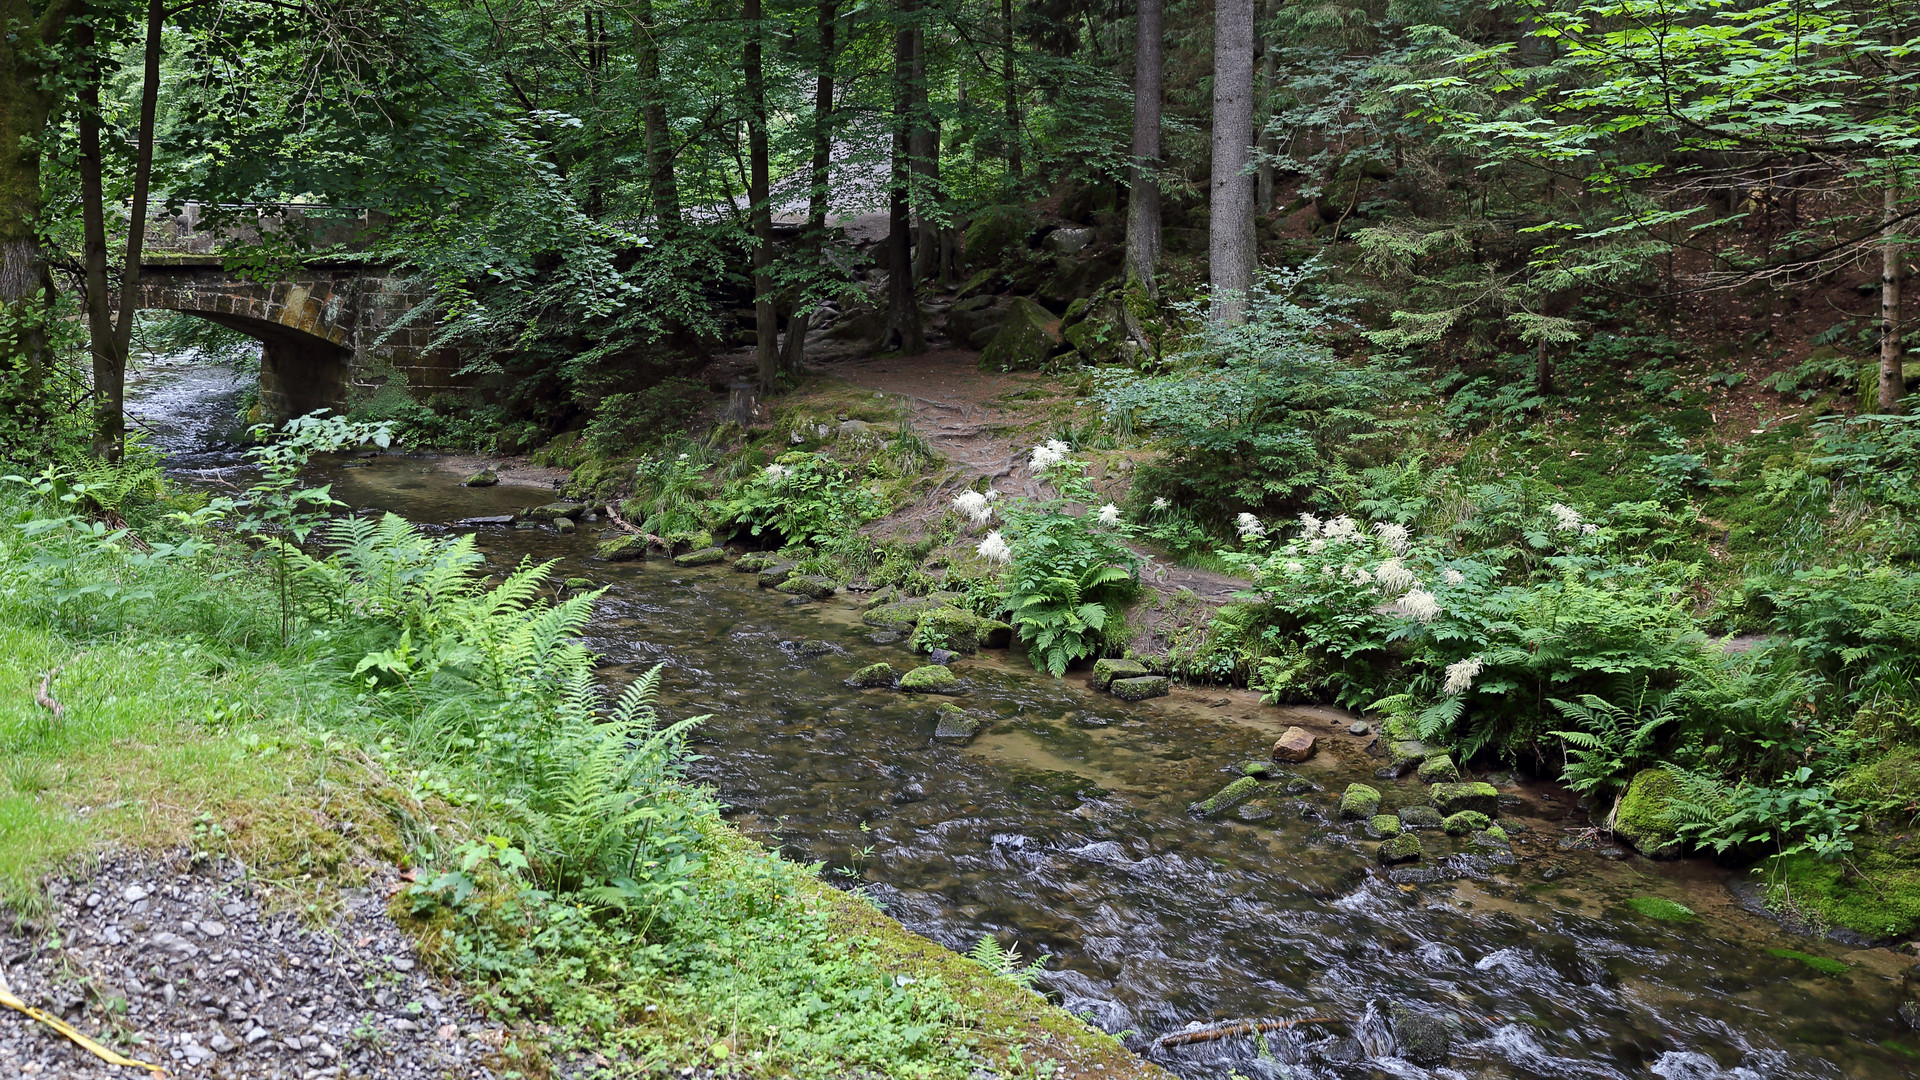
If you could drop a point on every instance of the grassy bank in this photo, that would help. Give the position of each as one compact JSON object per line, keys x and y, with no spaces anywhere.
{"x":418,"y":715}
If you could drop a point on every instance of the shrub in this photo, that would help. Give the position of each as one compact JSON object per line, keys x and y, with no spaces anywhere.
{"x":802,"y":499}
{"x":1069,"y":572}
{"x":627,"y":422}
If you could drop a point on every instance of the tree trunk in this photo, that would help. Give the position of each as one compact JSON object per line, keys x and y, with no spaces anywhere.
{"x":662,"y":192}
{"x":766,"y":320}
{"x":1893,"y":382}
{"x":1143,"y":197}
{"x":820,"y":179}
{"x":26,"y":287}
{"x":1010,"y":83}
{"x":1542,"y":369}
{"x":923,"y":147}
{"x":1230,"y":216}
{"x":903,"y":332}
{"x":108,"y":419}
{"x":110,"y":378}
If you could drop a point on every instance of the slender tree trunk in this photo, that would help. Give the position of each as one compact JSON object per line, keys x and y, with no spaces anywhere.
{"x":1542,"y":369}
{"x":903,"y":332}
{"x":1230,"y":216}
{"x":1010,"y":83}
{"x":1893,"y":383}
{"x":923,"y":147}
{"x":110,"y":380}
{"x":821,"y":176}
{"x":100,"y":336}
{"x":662,"y":192}
{"x":1143,"y":196}
{"x":766,"y":319}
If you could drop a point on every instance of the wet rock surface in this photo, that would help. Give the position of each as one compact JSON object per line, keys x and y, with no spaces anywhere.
{"x":179,"y":964}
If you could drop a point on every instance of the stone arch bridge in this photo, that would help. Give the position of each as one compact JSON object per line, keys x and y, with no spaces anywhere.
{"x":330,"y":332}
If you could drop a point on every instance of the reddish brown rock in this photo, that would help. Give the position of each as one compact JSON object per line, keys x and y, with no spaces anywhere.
{"x":1295,"y":745}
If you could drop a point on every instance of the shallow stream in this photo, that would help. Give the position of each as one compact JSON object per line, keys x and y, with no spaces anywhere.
{"x":1064,"y":828}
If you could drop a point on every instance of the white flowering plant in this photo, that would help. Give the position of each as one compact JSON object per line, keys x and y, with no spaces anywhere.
{"x":1068,"y":567}
{"x":803,"y":499}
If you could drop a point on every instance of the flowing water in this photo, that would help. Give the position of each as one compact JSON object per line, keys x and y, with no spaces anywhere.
{"x":1064,"y":828}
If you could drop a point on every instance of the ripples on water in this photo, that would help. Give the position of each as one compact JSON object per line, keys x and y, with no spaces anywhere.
{"x":1063,"y":829}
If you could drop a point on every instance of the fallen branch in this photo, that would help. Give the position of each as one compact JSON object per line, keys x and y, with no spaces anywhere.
{"x":1231,"y":1028}
{"x":44,"y":698}
{"x":72,"y":1033}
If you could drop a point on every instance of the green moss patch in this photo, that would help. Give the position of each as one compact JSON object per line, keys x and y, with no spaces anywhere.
{"x":1825,"y":965}
{"x":1665,"y":910}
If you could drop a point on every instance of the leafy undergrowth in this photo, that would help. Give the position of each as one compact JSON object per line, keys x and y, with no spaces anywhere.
{"x":388,"y":705}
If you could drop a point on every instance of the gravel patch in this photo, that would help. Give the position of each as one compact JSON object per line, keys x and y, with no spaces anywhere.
{"x":177,"y":963}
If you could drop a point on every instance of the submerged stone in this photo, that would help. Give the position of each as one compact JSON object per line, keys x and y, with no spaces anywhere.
{"x":1110,"y":668}
{"x":1420,"y":817}
{"x":1665,"y":910}
{"x":1253,"y":812}
{"x":955,"y":725}
{"x":880,"y":674}
{"x":1296,"y":744}
{"x":1400,"y":849}
{"x":1360,"y":802}
{"x":1227,"y":798}
{"x":1140,"y":688}
{"x":622,"y":549}
{"x":1421,"y":1039}
{"x":1464,"y":822}
{"x":1478,"y":795}
{"x":706,"y":556}
{"x":1439,"y":769}
{"x":931,"y":679}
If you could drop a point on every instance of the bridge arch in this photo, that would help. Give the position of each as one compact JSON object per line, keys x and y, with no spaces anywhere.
{"x":327,"y":332}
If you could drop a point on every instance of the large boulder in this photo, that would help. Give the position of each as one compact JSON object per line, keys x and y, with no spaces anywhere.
{"x":1074,"y":279}
{"x":974,"y":314}
{"x":995,"y":234}
{"x":959,"y":630}
{"x":1645,"y":817}
{"x":1025,"y":340}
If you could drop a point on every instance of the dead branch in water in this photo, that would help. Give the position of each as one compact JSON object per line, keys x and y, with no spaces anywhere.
{"x":1231,"y":1028}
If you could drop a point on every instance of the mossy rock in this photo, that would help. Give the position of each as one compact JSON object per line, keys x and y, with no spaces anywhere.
{"x":955,"y":725}
{"x":775,"y":573}
{"x":1420,"y":1038}
{"x":563,"y":524}
{"x":1645,"y":817}
{"x":1384,"y":825}
{"x":812,"y":586}
{"x":1403,"y":848}
{"x":706,"y":556}
{"x":687,"y":540}
{"x":754,"y":561}
{"x":1421,"y":817}
{"x":996,"y":233}
{"x":1220,"y":802}
{"x":1259,"y":770}
{"x":1465,"y":822}
{"x":1140,"y":688}
{"x":1026,"y":340}
{"x":1107,"y":669}
{"x":1479,"y":795}
{"x":578,"y":584}
{"x":958,"y":630}
{"x":1881,"y":901}
{"x":1405,"y":755}
{"x":1439,"y":769}
{"x":1664,"y":910}
{"x":1359,"y":802}
{"x":1494,"y":839}
{"x":483,"y":478}
{"x":552,"y":510}
{"x":622,"y":549}
{"x":931,"y":679}
{"x":900,"y":614}
{"x":880,"y":674}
